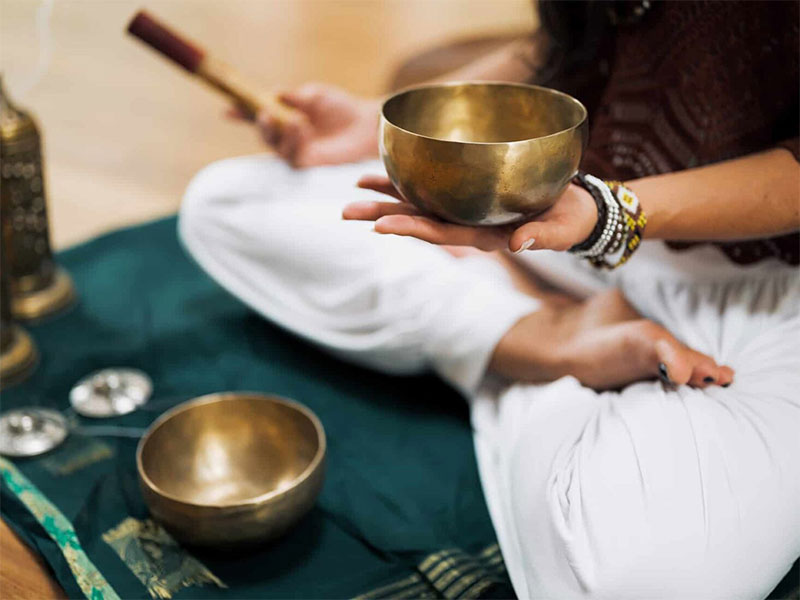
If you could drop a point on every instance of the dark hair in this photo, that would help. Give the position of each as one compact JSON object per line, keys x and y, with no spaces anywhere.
{"x":574,"y":32}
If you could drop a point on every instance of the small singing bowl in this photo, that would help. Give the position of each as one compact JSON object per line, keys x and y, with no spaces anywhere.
{"x":232,"y":469}
{"x":482,"y":153}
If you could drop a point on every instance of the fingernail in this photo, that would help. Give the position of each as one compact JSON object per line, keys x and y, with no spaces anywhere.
{"x":726,"y":385}
{"x":663,"y":374}
{"x":708,"y":379}
{"x":527,"y":244}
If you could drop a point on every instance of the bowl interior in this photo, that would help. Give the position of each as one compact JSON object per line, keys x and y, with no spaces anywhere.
{"x":230,"y":450}
{"x":483,"y":112}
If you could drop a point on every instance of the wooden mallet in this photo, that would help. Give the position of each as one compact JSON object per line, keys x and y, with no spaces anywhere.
{"x":216,"y":73}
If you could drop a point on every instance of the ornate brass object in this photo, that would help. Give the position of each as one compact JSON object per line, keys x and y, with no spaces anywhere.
{"x":39,"y":287}
{"x":232,"y":469}
{"x":482,"y":153}
{"x":18,"y":354}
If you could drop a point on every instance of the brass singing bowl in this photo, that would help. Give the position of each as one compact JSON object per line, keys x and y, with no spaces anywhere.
{"x":482,"y":153}
{"x":232,"y":469}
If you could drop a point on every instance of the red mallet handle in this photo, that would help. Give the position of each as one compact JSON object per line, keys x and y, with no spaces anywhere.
{"x":167,"y":42}
{"x":218,"y":74}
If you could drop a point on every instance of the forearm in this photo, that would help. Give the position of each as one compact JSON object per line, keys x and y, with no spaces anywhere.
{"x":514,"y":62}
{"x":751,"y":197}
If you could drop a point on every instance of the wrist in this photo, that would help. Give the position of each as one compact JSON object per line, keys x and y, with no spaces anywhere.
{"x":588,"y":216}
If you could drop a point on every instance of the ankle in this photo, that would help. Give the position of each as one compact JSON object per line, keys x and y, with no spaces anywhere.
{"x":534,"y":348}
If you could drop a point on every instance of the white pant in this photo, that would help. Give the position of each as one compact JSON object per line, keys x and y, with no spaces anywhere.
{"x":638,"y":494}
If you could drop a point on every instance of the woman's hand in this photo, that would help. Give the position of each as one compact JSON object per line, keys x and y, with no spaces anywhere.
{"x":568,"y":222}
{"x":336,"y":127}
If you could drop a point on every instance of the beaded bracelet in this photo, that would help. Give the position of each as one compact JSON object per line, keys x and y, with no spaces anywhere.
{"x":608,"y":221}
{"x":597,"y":196}
{"x":635,"y":219}
{"x":620,"y":225}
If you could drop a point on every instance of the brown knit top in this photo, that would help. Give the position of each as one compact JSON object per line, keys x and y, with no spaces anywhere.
{"x":692,"y":83}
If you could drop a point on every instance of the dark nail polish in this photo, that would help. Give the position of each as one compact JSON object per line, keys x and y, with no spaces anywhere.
{"x":726,"y":385}
{"x":663,"y":374}
{"x":708,"y":379}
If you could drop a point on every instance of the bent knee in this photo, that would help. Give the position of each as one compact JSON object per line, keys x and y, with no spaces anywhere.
{"x":204,"y":191}
{"x":643,"y":503}
{"x":229,"y":203}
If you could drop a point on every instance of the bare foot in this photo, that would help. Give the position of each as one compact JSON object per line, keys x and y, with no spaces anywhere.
{"x":604,"y":343}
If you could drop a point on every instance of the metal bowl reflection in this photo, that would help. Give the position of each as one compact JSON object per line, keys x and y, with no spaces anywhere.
{"x":232,"y":469}
{"x":482,"y":153}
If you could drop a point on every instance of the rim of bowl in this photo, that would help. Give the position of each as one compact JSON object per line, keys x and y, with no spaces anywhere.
{"x":426,"y":86}
{"x":223,"y":397}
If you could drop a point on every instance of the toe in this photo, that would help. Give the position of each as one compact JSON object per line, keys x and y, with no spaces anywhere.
{"x":676,"y":360}
{"x":705,"y":371}
{"x":725,"y":376}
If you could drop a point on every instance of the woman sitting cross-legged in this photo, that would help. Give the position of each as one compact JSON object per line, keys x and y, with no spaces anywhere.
{"x":635,"y":405}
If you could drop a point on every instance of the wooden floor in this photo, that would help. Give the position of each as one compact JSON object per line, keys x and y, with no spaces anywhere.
{"x":125,"y":131}
{"x":22,"y":573}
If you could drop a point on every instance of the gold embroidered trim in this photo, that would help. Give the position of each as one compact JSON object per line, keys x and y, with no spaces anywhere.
{"x":156,"y":559}
{"x":450,"y":573}
{"x":70,"y":460}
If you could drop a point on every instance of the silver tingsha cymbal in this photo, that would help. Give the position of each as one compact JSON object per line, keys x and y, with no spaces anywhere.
{"x":111,"y":392}
{"x":31,"y":431}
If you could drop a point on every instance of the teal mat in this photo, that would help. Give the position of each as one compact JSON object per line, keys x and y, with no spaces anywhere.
{"x":401,"y":513}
